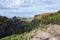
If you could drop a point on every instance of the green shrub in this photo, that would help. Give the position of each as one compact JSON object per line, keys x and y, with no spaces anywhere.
{"x":17,"y":37}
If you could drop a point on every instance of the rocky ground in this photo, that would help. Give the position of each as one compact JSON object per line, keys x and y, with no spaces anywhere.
{"x":52,"y":33}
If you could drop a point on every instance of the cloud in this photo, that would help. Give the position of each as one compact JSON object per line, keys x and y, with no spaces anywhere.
{"x":10,"y":3}
{"x":28,"y":7}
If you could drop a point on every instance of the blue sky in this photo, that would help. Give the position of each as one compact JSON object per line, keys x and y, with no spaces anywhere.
{"x":27,"y":8}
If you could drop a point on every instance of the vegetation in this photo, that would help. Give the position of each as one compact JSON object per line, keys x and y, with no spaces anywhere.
{"x":15,"y":28}
{"x":17,"y":37}
{"x":48,"y":18}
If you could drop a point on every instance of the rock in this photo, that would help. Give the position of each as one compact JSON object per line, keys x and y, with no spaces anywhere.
{"x":58,"y":38}
{"x":54,"y":30}
{"x":41,"y":35}
{"x":52,"y":38}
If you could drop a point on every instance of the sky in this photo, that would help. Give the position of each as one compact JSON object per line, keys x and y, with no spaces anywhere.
{"x":27,"y":8}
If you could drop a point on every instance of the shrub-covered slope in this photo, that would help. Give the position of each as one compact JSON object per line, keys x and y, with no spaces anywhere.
{"x":47,"y":18}
{"x":15,"y":25}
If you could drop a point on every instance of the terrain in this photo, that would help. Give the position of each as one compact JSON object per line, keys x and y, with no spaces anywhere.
{"x":44,"y":26}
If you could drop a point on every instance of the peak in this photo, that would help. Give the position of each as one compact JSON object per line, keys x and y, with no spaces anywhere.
{"x":58,"y":10}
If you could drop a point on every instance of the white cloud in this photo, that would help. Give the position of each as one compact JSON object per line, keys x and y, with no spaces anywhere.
{"x":29,"y":6}
{"x":43,"y":0}
{"x":11,"y":3}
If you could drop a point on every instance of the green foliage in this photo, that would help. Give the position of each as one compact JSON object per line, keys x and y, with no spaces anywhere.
{"x":17,"y":37}
{"x":41,"y":21}
{"x":48,"y":18}
{"x":26,"y":25}
{"x":3,"y":19}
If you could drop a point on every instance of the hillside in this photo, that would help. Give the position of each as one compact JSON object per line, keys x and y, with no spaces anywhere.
{"x":49,"y":34}
{"x":15,"y":25}
{"x":23,"y":26}
{"x":48,"y":17}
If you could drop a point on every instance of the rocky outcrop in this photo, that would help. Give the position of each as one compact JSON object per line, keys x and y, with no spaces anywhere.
{"x":54,"y":30}
{"x":41,"y":35}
